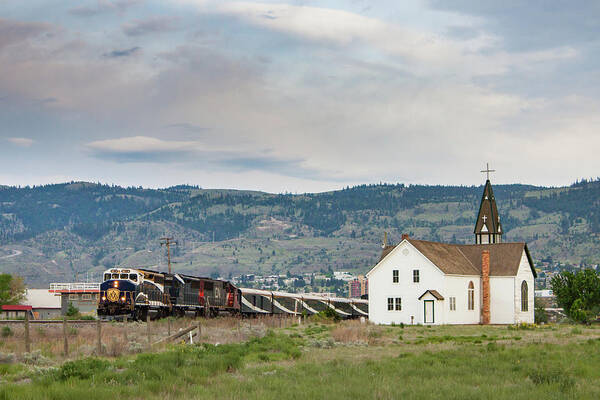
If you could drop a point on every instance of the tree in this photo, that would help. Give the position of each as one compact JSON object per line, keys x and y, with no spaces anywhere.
{"x":12,"y":289}
{"x":540,"y":312}
{"x":578,"y":293}
{"x":72,"y":311}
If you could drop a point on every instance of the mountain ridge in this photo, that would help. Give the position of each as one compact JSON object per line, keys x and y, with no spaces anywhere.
{"x":64,"y":231}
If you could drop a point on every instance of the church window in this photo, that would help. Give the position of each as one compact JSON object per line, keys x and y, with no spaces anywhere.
{"x":395,"y":276}
{"x":524,"y":297}
{"x":390,"y":304}
{"x":471,"y":296}
{"x":416,"y":276}
{"x":452,"y":303}
{"x":398,"y":304}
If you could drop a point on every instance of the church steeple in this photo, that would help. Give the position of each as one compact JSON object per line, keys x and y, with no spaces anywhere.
{"x":488,"y":228}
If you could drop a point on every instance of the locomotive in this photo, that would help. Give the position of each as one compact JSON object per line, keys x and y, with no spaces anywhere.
{"x":138,"y":293}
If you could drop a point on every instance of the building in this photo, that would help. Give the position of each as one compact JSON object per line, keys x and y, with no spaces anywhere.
{"x":14,"y":311}
{"x":44,"y":304}
{"x":358,"y":287}
{"x":83,"y":296}
{"x":422,"y":282}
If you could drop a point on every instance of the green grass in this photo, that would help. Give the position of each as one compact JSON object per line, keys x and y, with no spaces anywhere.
{"x":442,"y":362}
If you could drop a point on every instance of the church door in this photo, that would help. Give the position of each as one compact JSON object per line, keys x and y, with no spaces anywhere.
{"x":429,"y":312}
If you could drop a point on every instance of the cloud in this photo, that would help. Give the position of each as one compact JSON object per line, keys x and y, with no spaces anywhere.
{"x":12,"y":32}
{"x":141,"y":149}
{"x":188,"y":127}
{"x":149,"y":26}
{"x":122,"y":53}
{"x":102,"y":7}
{"x":21,"y":142}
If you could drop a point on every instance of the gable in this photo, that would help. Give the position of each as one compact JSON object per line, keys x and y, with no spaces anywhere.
{"x":390,"y":253}
{"x":456,"y":259}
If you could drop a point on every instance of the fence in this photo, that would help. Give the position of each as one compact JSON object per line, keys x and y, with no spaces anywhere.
{"x":72,"y":338}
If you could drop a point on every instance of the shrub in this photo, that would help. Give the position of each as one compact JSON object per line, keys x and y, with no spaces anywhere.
{"x":81,"y":369}
{"x":72,"y":311}
{"x":577,"y":311}
{"x":6,"y":331}
{"x":35,"y":358}
{"x":540,"y":313}
{"x":7,"y":358}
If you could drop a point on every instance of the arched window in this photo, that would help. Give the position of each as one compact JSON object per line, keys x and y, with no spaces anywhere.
{"x":471,"y":296}
{"x":524,"y":297}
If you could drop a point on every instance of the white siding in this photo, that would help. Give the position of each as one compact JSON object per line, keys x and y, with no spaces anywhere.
{"x":457,"y":286}
{"x":407,"y":258}
{"x":502,"y":310}
{"x":524,"y":274}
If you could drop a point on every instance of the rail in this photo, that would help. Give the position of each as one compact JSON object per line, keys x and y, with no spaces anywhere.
{"x":78,"y":287}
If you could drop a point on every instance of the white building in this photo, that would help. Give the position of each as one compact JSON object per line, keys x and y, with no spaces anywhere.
{"x":421,"y":282}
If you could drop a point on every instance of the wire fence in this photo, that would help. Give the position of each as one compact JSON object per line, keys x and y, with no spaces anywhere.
{"x":74,"y":338}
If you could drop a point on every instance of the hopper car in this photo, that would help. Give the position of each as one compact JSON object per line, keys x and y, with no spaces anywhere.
{"x":138,"y":293}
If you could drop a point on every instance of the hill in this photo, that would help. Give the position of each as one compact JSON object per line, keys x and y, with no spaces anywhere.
{"x":63,"y":231}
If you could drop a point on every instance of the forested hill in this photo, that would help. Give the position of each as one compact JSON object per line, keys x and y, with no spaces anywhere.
{"x":59,"y":232}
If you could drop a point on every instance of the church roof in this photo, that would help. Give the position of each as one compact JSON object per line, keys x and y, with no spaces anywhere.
{"x":488,"y":219}
{"x":465,"y":259}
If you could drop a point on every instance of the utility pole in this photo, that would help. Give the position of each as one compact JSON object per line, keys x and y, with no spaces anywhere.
{"x":167,"y":241}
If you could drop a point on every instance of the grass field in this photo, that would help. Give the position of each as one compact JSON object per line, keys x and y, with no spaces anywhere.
{"x":320,"y":359}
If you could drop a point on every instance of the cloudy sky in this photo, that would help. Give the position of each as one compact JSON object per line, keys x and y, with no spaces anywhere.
{"x":298,"y":96}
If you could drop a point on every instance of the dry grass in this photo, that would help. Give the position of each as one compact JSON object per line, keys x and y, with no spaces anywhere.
{"x":351,"y":332}
{"x":119,"y":338}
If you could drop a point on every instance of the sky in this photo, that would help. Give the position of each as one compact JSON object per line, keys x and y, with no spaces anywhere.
{"x":298,"y":96}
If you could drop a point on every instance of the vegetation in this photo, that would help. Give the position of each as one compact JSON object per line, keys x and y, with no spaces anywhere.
{"x":12,"y":289}
{"x":578,"y":293}
{"x":341,"y":360}
{"x":70,"y":229}
{"x":72,"y":311}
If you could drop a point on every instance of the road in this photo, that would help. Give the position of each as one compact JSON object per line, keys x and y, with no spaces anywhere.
{"x":16,"y":253}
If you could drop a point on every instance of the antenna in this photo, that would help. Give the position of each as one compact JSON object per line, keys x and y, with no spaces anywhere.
{"x":167,"y":241}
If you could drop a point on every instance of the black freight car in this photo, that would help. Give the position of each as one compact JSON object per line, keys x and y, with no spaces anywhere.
{"x":136,"y":293}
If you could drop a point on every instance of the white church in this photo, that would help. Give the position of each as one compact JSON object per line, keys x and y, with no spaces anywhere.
{"x":421,"y":282}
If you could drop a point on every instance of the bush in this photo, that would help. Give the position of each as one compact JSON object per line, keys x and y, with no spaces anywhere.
{"x":577,"y":312}
{"x":81,"y":369}
{"x":540,"y":313}
{"x":7,"y":358}
{"x":6,"y":331}
{"x":35,"y":358}
{"x":72,"y":311}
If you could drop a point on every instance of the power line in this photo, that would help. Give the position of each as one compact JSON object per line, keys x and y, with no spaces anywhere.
{"x":167,"y":241}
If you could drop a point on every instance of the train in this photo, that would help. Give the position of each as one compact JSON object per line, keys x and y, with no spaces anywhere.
{"x":139,"y":294}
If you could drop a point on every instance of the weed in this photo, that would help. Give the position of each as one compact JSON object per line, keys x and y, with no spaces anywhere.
{"x":6,"y":331}
{"x":553,"y":375}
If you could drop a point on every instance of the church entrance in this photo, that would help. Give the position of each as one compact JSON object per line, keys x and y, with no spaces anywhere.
{"x":429,"y":311}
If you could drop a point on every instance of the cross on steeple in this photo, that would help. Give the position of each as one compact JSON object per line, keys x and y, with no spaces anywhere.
{"x":487,"y":170}
{"x":484,"y":218}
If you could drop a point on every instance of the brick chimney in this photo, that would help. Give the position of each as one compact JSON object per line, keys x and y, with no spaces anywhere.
{"x":485,"y":286}
{"x":405,"y":236}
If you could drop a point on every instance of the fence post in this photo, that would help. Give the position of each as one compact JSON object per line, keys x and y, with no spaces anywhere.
{"x":169,"y":326}
{"x":99,"y":338}
{"x":148,"y":327}
{"x":65,"y":341}
{"x":27,"y":341}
